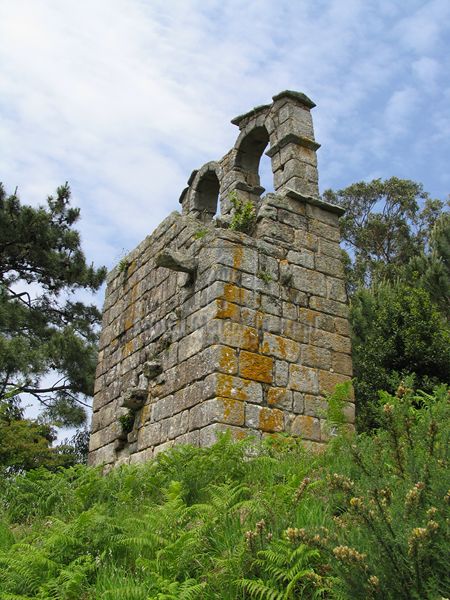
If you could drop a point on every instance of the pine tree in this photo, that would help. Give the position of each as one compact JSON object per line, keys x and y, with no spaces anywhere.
{"x":44,"y":330}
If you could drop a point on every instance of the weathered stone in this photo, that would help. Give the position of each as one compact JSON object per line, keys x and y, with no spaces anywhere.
{"x":190,"y":345}
{"x":163,"y":447}
{"x":152,"y":368}
{"x":179,"y":424}
{"x":328,"y":381}
{"x":267,"y":228}
{"x":313,"y":356}
{"x":298,"y":404}
{"x":303,"y":379}
{"x":315,"y":406}
{"x":279,"y":398}
{"x":264,"y":419}
{"x":342,"y":363}
{"x":280,"y":347}
{"x":223,"y":410}
{"x":302,"y":258}
{"x":141,"y":457}
{"x":237,"y":388}
{"x":255,"y":367}
{"x":149,"y":436}
{"x":231,"y":334}
{"x":307,"y":280}
{"x":307,"y":427}
{"x":134,"y":398}
{"x":336,"y":289}
{"x":209,"y":434}
{"x":209,"y":329}
{"x":281,"y":373}
{"x":349,"y":412}
{"x":330,"y":307}
{"x":102,"y":456}
{"x":105,"y":436}
{"x":176,"y":261}
{"x":162,"y":409}
{"x":332,"y":341}
{"x":322,"y":230}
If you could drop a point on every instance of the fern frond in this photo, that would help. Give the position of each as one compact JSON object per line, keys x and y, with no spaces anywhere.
{"x":260,"y":590}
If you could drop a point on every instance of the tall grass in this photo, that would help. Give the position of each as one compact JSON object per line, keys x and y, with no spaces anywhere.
{"x":365,"y":519}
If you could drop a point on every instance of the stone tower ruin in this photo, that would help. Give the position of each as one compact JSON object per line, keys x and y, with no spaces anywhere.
{"x":206,"y":328}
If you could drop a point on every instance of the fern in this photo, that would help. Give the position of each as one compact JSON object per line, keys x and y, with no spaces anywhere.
{"x":72,"y":581}
{"x":286,"y":572}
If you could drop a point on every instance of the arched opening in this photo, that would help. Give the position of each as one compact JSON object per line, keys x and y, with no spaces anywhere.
{"x":249,"y":154}
{"x":207,"y":196}
{"x":266,"y":174}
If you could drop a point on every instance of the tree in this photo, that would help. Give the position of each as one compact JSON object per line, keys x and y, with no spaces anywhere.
{"x":386,"y":224}
{"x":44,"y":330}
{"x":397,"y":257}
{"x":397,"y":331}
{"x":27,"y":444}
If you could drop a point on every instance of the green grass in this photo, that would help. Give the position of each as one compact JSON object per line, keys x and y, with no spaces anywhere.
{"x":365,"y":519}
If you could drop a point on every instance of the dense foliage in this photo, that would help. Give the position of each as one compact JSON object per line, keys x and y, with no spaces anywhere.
{"x":397,"y":257}
{"x":366,"y":519}
{"x":43,"y":329}
{"x":47,"y":337}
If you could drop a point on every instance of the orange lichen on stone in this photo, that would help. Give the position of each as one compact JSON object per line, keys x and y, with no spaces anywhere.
{"x":240,"y":336}
{"x":128,"y":320}
{"x":259,"y":319}
{"x":233,"y":411}
{"x":145,"y":413}
{"x":237,"y":257}
{"x":277,"y":396}
{"x":227,"y":310}
{"x":226,"y":387}
{"x":328,"y":381}
{"x":133,"y":310}
{"x":280,"y":347}
{"x":227,"y":360}
{"x":271,"y":419}
{"x":239,"y":434}
{"x":128,"y":348}
{"x":256,"y":367}
{"x":306,"y":315}
{"x":233,"y":293}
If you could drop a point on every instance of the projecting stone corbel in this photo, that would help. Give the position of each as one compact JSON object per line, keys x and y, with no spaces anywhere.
{"x":134,"y":398}
{"x":152,"y":369}
{"x":176,"y":261}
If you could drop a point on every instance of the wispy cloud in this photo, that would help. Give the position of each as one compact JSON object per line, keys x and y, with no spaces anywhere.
{"x":124,"y":97}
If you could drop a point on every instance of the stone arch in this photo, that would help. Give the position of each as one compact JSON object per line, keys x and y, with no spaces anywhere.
{"x":204,"y":192}
{"x":250,"y":146}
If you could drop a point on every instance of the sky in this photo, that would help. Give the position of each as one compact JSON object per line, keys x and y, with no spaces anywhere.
{"x":124,"y":98}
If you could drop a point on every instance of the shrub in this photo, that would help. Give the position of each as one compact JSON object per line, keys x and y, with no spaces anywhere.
{"x":365,"y":519}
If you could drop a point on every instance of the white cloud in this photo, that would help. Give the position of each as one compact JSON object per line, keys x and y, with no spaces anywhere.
{"x":399,"y":110}
{"x":124,"y":98}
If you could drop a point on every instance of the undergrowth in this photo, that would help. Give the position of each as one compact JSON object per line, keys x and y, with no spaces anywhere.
{"x":365,"y":519}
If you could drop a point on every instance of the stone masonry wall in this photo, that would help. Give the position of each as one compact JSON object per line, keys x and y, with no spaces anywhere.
{"x":207,"y":329}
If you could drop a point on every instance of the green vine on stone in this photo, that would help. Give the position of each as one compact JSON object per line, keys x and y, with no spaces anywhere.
{"x":244,"y":214}
{"x":123,"y":265}
{"x":201,"y":233}
{"x":265,"y":276}
{"x":127,"y":421}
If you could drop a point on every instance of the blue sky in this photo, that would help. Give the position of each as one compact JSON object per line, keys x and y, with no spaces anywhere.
{"x":123,"y":98}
